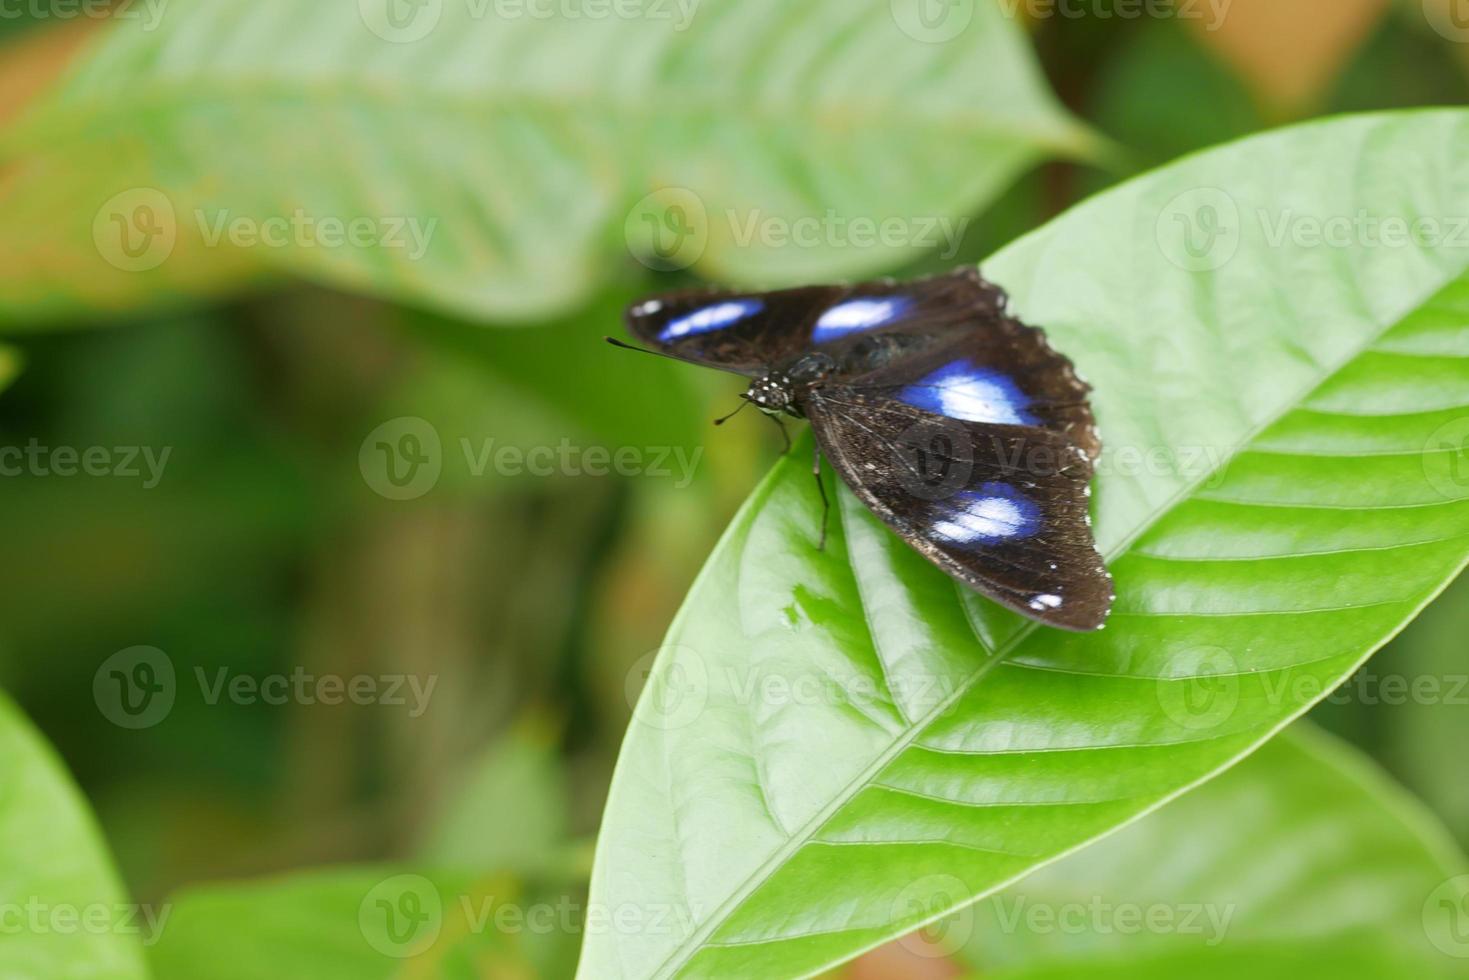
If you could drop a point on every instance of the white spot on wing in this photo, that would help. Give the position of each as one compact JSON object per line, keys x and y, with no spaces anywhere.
{"x":985,"y":518}
{"x":858,"y":314}
{"x":715,"y":317}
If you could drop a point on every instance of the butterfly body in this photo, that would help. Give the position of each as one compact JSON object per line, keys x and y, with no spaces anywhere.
{"x":952,"y":421}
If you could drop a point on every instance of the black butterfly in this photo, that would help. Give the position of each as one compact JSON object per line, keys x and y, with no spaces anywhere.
{"x":955,"y":423}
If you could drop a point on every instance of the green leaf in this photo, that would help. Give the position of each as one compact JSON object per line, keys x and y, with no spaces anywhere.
{"x":509,"y":813}
{"x":367,"y":924}
{"x":10,"y":364}
{"x":66,"y":912}
{"x":830,"y":739}
{"x":501,"y":163}
{"x":1416,"y":695}
{"x":1302,"y":849}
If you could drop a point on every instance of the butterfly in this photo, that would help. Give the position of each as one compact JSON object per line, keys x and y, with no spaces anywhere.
{"x":952,"y":421}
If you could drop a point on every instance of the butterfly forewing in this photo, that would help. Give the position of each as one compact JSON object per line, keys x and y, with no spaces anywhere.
{"x":741,"y":332}
{"x":863,"y":326}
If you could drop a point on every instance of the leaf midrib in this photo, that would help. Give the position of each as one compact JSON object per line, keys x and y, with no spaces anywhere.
{"x":685,"y":951}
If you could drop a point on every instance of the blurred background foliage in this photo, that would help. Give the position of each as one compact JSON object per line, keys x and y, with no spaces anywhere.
{"x":531,"y":599}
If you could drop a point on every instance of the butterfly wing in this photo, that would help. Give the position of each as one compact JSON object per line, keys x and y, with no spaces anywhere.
{"x":1002,"y":508}
{"x":863,"y":327}
{"x":740,"y":332}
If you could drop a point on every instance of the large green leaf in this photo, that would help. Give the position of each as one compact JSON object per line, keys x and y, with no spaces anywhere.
{"x":509,"y":150}
{"x":65,"y":914}
{"x":1302,"y":849}
{"x":831,"y":739}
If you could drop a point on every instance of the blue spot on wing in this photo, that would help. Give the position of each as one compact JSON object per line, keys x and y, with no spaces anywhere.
{"x":857,"y":315}
{"x":993,"y":514}
{"x":964,"y":390}
{"x":707,"y":319}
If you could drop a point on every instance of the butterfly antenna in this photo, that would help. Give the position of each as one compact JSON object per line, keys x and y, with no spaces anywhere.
{"x":743,"y":406}
{"x":641,"y":350}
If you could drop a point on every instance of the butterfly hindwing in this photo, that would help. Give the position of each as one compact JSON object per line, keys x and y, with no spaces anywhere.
{"x":1003,"y":508}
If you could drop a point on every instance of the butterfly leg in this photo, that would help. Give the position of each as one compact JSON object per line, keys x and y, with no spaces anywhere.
{"x":784,"y":434}
{"x":821,"y":488}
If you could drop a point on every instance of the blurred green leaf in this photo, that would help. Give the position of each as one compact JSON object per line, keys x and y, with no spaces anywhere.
{"x":1403,"y":65}
{"x":369,"y":924}
{"x":65,"y":912}
{"x":499,"y":161}
{"x":9,"y":366}
{"x":1429,"y":706}
{"x":1162,"y":95}
{"x":509,"y":811}
{"x":1280,"y":418}
{"x":578,"y":385}
{"x":1303,"y":848}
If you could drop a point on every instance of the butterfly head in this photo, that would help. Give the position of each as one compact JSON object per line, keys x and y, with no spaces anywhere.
{"x":771,"y":393}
